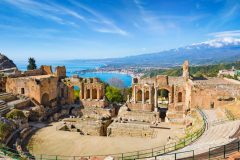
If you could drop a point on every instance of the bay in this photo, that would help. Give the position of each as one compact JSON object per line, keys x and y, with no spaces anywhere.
{"x":72,"y":67}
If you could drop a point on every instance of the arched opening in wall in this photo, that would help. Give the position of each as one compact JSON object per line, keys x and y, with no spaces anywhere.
{"x":94,"y":93}
{"x":212,"y":105}
{"x":135,"y":80}
{"x":45,"y":99}
{"x":22,"y":91}
{"x":179,"y":96}
{"x":71,"y":111}
{"x":139,"y":96}
{"x":163,"y":112}
{"x":163,"y":98}
{"x":146,"y":96}
{"x":88,"y":94}
{"x":76,"y":91}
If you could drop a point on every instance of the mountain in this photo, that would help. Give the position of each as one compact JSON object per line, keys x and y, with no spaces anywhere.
{"x":214,"y":51}
{"x":209,"y":52}
{"x":6,"y":63}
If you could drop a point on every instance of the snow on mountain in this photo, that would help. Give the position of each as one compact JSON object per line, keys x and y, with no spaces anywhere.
{"x":219,"y":42}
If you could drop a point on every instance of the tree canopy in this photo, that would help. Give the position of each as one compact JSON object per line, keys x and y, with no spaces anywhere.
{"x":114,"y":94}
{"x":31,"y":64}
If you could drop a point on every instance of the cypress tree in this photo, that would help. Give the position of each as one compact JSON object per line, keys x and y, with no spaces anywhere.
{"x":31,"y":64}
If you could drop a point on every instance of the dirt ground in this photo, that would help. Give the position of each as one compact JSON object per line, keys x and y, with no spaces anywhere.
{"x":50,"y":141}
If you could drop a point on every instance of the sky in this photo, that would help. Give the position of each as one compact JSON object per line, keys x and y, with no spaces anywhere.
{"x":90,"y":29}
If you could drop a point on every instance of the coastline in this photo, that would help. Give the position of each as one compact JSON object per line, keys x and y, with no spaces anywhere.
{"x":129,"y":73}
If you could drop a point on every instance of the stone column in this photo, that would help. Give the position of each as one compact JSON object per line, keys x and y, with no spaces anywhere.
{"x":80,"y":94}
{"x":143,"y":97}
{"x":134,"y":94}
{"x":82,"y":91}
{"x":155,"y":98}
{"x":85,"y":93}
{"x":98,"y":94}
{"x":150,"y":94}
{"x":91,"y":93}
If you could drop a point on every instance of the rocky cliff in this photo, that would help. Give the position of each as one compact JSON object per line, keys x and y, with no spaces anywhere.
{"x":5,"y":62}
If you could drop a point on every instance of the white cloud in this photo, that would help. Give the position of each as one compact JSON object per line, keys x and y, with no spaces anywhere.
{"x":55,"y":12}
{"x":108,"y":26}
{"x":153,"y":22}
{"x":42,"y":10}
{"x":232,"y":33}
{"x":220,"y":42}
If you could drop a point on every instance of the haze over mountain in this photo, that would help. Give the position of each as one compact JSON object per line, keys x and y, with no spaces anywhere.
{"x":225,"y":49}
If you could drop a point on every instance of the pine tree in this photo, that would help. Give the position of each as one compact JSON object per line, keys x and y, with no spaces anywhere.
{"x":31,"y":64}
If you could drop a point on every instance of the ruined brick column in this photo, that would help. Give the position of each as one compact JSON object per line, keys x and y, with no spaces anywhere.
{"x":155,"y":98}
{"x":98,"y":94}
{"x":91,"y":93}
{"x":170,"y":98}
{"x":85,"y":92}
{"x":82,"y":91}
{"x":150,"y":94}
{"x":134,"y":94}
{"x":185,"y":67}
{"x":143,"y":97}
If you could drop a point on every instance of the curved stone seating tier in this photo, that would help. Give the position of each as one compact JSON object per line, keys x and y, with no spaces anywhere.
{"x":3,"y":108}
{"x":214,"y":136}
{"x":7,"y":97}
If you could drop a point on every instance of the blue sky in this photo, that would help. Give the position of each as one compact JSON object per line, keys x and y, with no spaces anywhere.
{"x":82,"y":29}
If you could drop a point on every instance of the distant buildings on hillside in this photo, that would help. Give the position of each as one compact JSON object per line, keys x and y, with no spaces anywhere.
{"x":229,"y":73}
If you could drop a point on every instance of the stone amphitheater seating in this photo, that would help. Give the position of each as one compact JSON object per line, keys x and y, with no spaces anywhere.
{"x":7,"y":97}
{"x":215,"y":136}
{"x":3,"y":108}
{"x":19,"y":103}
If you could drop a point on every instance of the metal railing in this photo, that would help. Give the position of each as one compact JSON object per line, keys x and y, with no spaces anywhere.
{"x":187,"y":155}
{"x":140,"y":154}
{"x":224,"y":151}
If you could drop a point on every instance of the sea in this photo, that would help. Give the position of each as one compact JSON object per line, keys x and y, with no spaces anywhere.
{"x":72,"y":67}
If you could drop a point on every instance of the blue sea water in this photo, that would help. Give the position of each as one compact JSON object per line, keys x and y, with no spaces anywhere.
{"x":74,"y":66}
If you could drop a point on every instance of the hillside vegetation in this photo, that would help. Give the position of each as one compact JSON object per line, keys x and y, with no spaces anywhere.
{"x":195,"y":71}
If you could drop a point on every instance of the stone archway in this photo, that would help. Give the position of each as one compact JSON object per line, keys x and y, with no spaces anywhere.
{"x":163,"y":97}
{"x":139,"y":96}
{"x":76,"y":90}
{"x":146,"y":96}
{"x":45,"y":99}
{"x":180,"y":97}
{"x":94,"y":93}
{"x":88,"y":94}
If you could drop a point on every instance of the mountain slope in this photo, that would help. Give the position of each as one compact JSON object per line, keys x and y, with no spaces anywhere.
{"x":209,"y":52}
{"x":5,"y":62}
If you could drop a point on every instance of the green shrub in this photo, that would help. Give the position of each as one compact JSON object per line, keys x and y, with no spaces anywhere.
{"x":5,"y":129}
{"x":76,"y":94}
{"x":114,"y":94}
{"x":15,"y":114}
